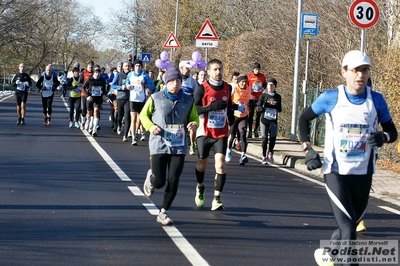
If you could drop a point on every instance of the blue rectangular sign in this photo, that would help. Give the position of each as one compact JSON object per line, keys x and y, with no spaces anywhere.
{"x":146,"y":58}
{"x":309,"y":26}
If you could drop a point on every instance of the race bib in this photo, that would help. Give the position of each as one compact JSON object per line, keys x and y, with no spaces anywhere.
{"x":21,"y":86}
{"x":136,"y":83}
{"x":216,"y":119}
{"x":174,"y":135}
{"x":270,"y":114}
{"x":96,"y":90}
{"x":241,"y":108}
{"x":257,"y":86}
{"x":353,"y":143}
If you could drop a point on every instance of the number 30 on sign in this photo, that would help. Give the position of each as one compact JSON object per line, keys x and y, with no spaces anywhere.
{"x":364,"y":13}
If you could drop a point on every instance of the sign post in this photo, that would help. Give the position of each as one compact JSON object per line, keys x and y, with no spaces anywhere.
{"x":364,"y":14}
{"x":309,"y":31}
{"x":207,"y":37}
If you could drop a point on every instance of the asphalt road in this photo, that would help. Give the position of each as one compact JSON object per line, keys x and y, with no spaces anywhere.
{"x":69,"y":199}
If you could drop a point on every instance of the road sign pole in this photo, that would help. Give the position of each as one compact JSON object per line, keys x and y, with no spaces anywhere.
{"x":362,"y":40}
{"x":296,"y":74}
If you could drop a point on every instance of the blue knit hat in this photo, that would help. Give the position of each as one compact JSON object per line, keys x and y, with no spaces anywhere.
{"x":172,"y":73}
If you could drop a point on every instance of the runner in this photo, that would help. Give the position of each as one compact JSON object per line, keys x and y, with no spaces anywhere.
{"x":21,"y":81}
{"x":167,"y":115}
{"x":94,"y":89}
{"x":269,"y":104}
{"x":350,"y":143}
{"x":257,"y":82}
{"x":141,"y":87}
{"x":214,"y":105}
{"x":240,"y":97}
{"x":123,"y":112}
{"x":75,"y":89}
{"x":47,"y":84}
{"x":83,"y":76}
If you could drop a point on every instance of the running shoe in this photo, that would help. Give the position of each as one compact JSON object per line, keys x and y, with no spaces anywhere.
{"x":249,"y":135}
{"x":191,"y":150}
{"x":71,"y":124}
{"x":19,"y":121}
{"x":228,"y":155}
{"x":143,"y":137}
{"x":94,"y":133}
{"x":119,"y":130}
{"x":77,"y":124}
{"x":148,"y":188}
{"x":361,"y":226}
{"x":322,"y":259}
{"x":163,"y":218}
{"x":270,"y":157}
{"x":243,"y":159}
{"x":45,"y":122}
{"x":217,"y":204}
{"x":200,"y":199}
{"x":256,"y":133}
{"x":134,"y":141}
{"x":49,"y":120}
{"x":124,"y":139}
{"x":264,"y":160}
{"x":22,"y":121}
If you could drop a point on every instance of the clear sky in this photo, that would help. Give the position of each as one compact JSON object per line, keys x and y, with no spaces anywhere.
{"x":102,"y":7}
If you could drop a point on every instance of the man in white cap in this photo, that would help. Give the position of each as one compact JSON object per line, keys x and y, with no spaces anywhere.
{"x":350,"y":143}
{"x":189,"y":85}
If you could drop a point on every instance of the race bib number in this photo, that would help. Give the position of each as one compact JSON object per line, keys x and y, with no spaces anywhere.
{"x":216,"y":119}
{"x":241,"y":108}
{"x":96,"y":91}
{"x":174,"y":135}
{"x":352,"y":143}
{"x":270,"y":114}
{"x":21,"y":87}
{"x":136,"y":83}
{"x":257,"y":86}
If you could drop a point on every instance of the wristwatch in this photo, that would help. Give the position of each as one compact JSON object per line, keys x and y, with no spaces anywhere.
{"x":305,"y":146}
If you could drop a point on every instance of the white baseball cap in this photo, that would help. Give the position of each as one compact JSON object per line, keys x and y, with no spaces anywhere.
{"x":355,"y":59}
{"x":185,"y":64}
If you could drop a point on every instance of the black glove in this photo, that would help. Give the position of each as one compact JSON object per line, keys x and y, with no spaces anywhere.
{"x":313,"y":161}
{"x":235,"y":106}
{"x":220,"y":105}
{"x":377,"y":139}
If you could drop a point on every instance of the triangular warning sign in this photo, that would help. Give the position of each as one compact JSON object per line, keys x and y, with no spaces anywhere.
{"x":207,"y":32}
{"x":172,"y":42}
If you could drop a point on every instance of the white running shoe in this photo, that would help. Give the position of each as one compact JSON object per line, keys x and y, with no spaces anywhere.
{"x":148,"y":188}
{"x":322,"y":259}
{"x":163,"y":218}
{"x":71,"y":124}
{"x":143,"y":138}
{"x":228,"y":155}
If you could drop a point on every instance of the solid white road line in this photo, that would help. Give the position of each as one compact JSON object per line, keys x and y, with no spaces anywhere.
{"x":390,"y":209}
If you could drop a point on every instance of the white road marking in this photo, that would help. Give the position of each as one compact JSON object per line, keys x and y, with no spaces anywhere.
{"x":390,"y":209}
{"x":180,"y":241}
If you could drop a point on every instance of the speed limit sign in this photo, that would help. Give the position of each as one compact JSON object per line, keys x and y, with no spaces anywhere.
{"x":364,"y":13}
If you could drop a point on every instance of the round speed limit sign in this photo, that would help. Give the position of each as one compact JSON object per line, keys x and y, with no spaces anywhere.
{"x":364,"y":13}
